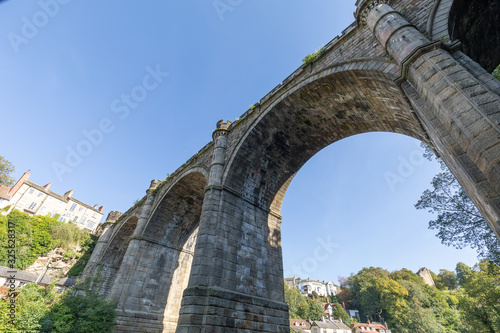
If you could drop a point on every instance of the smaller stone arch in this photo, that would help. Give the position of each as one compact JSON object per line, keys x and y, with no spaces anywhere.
{"x":114,"y":253}
{"x":157,"y":269}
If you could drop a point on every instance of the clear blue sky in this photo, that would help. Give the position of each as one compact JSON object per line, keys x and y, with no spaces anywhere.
{"x":65,"y":74}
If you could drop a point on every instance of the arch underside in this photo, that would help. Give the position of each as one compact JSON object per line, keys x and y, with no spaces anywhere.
{"x":115,"y":252}
{"x":165,"y":252}
{"x":311,"y":118}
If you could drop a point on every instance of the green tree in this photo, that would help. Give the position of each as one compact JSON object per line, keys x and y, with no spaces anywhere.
{"x":81,"y":309}
{"x":459,"y":223}
{"x":479,"y":297}
{"x":316,"y":311}
{"x":298,"y":308}
{"x":338,"y":312}
{"x":448,"y":279}
{"x":6,"y":168}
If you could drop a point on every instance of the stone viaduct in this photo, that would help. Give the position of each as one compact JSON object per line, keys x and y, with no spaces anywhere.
{"x":201,"y":252}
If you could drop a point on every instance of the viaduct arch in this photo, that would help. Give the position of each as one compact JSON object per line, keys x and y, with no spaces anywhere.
{"x":201,"y":252}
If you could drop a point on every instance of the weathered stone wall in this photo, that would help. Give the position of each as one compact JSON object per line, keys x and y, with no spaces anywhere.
{"x":158,"y":260}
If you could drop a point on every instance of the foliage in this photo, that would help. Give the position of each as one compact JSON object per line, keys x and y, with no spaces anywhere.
{"x":81,"y":310}
{"x":6,"y":168}
{"x":469,"y":301}
{"x":32,"y":304}
{"x":496,"y":72}
{"x":339,"y":312}
{"x":459,"y":223}
{"x":301,"y":307}
{"x":311,"y":57}
{"x":448,"y":280}
{"x":37,"y":235}
{"x":403,"y":300}
{"x":298,"y":307}
{"x":316,"y":311}
{"x":479,"y":297}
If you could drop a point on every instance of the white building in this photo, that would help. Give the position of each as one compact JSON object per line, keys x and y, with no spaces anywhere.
{"x":34,"y":199}
{"x":306,"y":287}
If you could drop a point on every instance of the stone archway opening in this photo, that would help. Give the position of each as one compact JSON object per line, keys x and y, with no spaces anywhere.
{"x":173,"y":228}
{"x":475,"y":25}
{"x":156,"y":269}
{"x":342,"y":201}
{"x":114,"y":254}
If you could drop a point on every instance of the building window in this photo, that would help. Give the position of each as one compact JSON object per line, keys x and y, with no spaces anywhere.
{"x":32,"y":206}
{"x":73,"y":206}
{"x":43,"y":209}
{"x":94,"y":215}
{"x":91,"y":225}
{"x":40,"y":194}
{"x":75,"y":219}
{"x":31,"y":191}
{"x":80,"y":209}
{"x":84,"y":219}
{"x":61,"y":219}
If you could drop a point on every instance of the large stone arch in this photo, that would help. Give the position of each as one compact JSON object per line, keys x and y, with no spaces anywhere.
{"x":310,"y":118}
{"x":156,"y":268}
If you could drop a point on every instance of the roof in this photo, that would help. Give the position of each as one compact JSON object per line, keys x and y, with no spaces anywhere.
{"x":66,"y":282}
{"x":7,"y":272}
{"x":19,"y":275}
{"x":300,"y":324}
{"x":335,"y":324}
{"x":299,"y":280}
{"x":58,"y":196}
{"x":4,"y":192}
{"x":374,"y":325}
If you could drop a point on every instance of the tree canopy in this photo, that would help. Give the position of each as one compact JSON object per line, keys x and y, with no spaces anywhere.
{"x":6,"y":168}
{"x":459,"y":223}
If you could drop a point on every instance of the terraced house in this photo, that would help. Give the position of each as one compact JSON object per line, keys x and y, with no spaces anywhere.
{"x":35,"y":199}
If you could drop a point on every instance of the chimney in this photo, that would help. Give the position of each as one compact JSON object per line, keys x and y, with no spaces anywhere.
{"x":46,"y":187}
{"x":323,"y":318}
{"x":95,"y":206}
{"x":19,"y":183}
{"x":101,"y":209}
{"x":368,"y":321}
{"x":69,"y":194}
